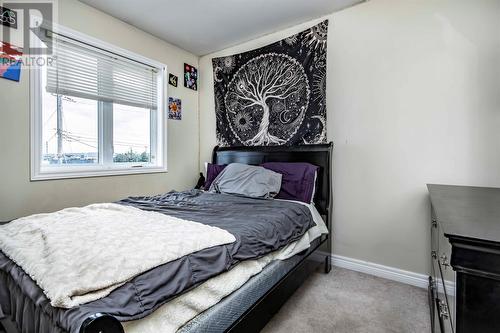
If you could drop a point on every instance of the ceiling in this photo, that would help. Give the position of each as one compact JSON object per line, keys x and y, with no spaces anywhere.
{"x":205,"y":26}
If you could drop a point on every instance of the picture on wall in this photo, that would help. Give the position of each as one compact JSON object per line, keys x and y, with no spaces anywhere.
{"x":172,"y":80}
{"x":174,"y":108}
{"x":8,"y":17}
{"x":10,"y":61}
{"x":190,"y":77}
{"x":273,"y":95}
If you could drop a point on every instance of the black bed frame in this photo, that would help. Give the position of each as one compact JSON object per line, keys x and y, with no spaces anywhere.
{"x":261,"y":312}
{"x":256,"y":317}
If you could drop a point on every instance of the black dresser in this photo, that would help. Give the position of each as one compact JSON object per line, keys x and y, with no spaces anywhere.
{"x":464,"y":289}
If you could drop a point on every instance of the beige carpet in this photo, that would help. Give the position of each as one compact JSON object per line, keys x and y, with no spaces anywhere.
{"x":350,"y":302}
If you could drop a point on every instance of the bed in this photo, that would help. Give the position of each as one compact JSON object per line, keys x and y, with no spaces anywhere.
{"x":264,"y":293}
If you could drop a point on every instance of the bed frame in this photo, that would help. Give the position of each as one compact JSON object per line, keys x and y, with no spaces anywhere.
{"x":255,"y":318}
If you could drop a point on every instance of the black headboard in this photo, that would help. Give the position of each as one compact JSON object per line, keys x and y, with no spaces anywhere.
{"x":319,"y":155}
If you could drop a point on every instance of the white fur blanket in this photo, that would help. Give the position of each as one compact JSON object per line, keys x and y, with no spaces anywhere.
{"x":78,"y":255}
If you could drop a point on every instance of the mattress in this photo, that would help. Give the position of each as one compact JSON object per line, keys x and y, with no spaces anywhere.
{"x":220,"y":317}
{"x":173,"y":315}
{"x":259,"y":226}
{"x":30,"y":307}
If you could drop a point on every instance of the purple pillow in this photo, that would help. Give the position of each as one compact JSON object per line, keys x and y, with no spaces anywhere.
{"x":297,"y":182}
{"x":213,"y":171}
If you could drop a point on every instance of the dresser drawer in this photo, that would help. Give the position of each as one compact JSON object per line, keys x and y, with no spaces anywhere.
{"x":441,"y":253}
{"x":443,"y":305}
{"x":470,"y":218}
{"x":443,"y":316}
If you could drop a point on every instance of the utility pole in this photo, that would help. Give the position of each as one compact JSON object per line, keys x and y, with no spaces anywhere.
{"x":59,"y":130}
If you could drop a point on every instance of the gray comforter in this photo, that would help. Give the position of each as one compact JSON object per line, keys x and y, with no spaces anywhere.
{"x":259,"y":226}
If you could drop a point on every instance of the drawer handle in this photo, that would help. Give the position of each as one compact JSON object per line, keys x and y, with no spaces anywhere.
{"x":443,"y":310}
{"x":444,"y":261}
{"x":434,"y":223}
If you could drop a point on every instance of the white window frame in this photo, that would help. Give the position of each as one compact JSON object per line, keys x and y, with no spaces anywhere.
{"x":103,"y":168}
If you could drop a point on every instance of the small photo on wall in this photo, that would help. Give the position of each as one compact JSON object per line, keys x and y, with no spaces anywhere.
{"x":174,"y":108}
{"x":190,"y":77}
{"x":172,"y":80}
{"x":10,"y":61}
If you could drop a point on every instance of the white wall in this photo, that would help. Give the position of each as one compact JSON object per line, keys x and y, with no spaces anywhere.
{"x":20,"y":197}
{"x":413,"y":98}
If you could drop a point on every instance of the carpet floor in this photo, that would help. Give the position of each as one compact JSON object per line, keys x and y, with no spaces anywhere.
{"x":345,"y":301}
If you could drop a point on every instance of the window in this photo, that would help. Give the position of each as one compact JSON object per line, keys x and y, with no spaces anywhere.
{"x":97,"y":110}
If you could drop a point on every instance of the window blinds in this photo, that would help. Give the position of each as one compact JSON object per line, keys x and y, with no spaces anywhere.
{"x":84,"y":71}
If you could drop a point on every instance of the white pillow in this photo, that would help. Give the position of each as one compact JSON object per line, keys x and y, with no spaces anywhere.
{"x":247,"y":180}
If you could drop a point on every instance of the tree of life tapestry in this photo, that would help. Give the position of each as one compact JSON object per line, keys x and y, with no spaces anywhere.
{"x":274,"y":95}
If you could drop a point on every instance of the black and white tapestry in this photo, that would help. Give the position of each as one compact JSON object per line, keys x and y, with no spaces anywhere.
{"x":274,"y":95}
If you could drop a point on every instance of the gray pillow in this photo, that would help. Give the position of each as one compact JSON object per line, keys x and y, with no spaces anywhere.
{"x":247,"y":180}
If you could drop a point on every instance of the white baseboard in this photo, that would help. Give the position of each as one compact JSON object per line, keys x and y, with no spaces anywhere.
{"x":390,"y":273}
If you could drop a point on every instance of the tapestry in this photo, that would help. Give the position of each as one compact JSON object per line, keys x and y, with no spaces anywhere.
{"x":274,"y":95}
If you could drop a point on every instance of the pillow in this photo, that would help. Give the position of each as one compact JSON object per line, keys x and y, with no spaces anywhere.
{"x":213,"y":171}
{"x":298,"y":180}
{"x":247,"y":180}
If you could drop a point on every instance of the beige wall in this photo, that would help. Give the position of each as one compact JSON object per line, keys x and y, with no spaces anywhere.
{"x":19,"y":196}
{"x":413,"y":98}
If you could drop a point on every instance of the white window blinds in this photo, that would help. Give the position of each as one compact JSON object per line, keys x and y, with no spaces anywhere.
{"x":84,"y":71}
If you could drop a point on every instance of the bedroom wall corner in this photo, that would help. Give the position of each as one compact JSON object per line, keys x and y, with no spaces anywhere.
{"x":20,"y":197}
{"x":412,"y":98}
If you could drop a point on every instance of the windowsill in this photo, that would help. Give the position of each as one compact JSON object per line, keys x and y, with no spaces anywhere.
{"x":48,"y":175}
